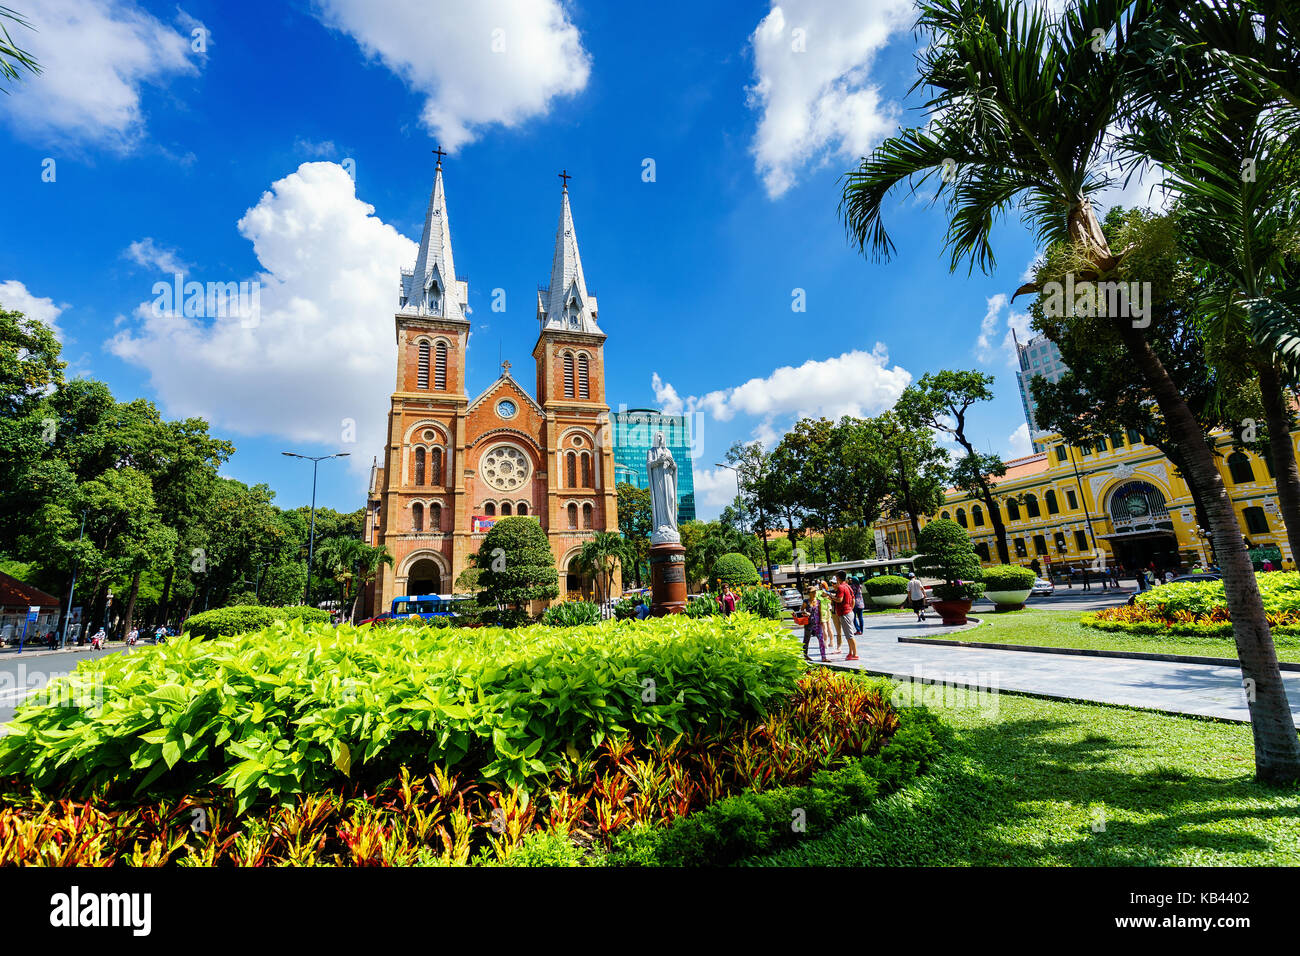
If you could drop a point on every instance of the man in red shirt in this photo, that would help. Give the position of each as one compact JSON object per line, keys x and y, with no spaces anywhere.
{"x":844,"y":614}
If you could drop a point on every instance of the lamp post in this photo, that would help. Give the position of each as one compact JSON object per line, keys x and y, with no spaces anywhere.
{"x":67,"y":620}
{"x":311,"y":532}
{"x":767,"y":559}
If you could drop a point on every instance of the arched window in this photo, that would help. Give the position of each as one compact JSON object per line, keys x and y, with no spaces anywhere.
{"x":435,"y":472}
{"x":419,"y":466}
{"x":440,"y":366}
{"x":568,"y":375}
{"x":1052,"y":506}
{"x":586,"y":470}
{"x":961,"y":517}
{"x":506,"y":509}
{"x":946,"y":516}
{"x":977,"y":516}
{"x":1256,"y":520}
{"x":1031,"y":506}
{"x":573,"y":516}
{"x":586,"y":516}
{"x":435,"y":517}
{"x":982,"y":550}
{"x":422,"y":370}
{"x":1013,"y":509}
{"x":522,"y":509}
{"x":583,"y":391}
{"x":490,"y":509}
{"x":571,"y":469}
{"x":1239,"y":468}
{"x":417,"y":517}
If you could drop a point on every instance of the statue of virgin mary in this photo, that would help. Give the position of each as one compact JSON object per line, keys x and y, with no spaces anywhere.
{"x":662,"y":470}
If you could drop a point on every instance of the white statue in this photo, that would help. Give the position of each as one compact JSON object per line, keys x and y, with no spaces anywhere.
{"x":663,"y":492}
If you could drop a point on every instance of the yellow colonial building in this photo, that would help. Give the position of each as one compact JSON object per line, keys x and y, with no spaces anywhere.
{"x":1118,"y":501}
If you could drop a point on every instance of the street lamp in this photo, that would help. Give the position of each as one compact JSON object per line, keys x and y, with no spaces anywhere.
{"x":311,"y":532}
{"x":767,"y":559}
{"x":72,"y":588}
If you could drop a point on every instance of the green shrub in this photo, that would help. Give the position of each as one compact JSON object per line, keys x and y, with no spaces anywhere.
{"x":278,"y":717}
{"x":1008,"y":577}
{"x":884,"y":584}
{"x":242,"y":619}
{"x":571,"y":614}
{"x":625,"y":610}
{"x":703,"y":605}
{"x":518,"y":567}
{"x":946,"y":553}
{"x":734,"y":569}
{"x":416,"y":621}
{"x":762,"y":602}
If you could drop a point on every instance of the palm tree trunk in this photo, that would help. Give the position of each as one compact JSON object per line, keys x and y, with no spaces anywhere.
{"x":1277,"y":747}
{"x":1285,"y":473}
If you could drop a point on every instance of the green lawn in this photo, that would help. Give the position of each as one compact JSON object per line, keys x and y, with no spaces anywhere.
{"x":1041,"y":628}
{"x":1026,"y":785}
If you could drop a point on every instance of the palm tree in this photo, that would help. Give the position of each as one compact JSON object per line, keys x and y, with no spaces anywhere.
{"x":13,"y":59}
{"x":1025,"y":113}
{"x":600,"y":557}
{"x":352,"y":564}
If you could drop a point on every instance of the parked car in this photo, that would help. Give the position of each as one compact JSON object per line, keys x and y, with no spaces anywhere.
{"x":1043,"y":587}
{"x":791,"y":599}
{"x":1202,"y":576}
{"x":386,"y":616}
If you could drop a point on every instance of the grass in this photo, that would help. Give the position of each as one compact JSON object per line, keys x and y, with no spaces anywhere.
{"x":1026,"y":786}
{"x":1042,"y":628}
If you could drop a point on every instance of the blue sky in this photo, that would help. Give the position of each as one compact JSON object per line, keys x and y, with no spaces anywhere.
{"x":232,"y":162}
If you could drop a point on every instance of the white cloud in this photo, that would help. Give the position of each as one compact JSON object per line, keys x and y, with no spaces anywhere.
{"x":322,"y":352}
{"x":96,"y":56}
{"x":14,"y":297}
{"x":315,"y":149}
{"x":989,"y":349}
{"x":491,"y":61}
{"x":855,"y":383}
{"x":812,"y":63}
{"x":147,"y":253}
{"x":1018,"y":443}
{"x":714,"y":487}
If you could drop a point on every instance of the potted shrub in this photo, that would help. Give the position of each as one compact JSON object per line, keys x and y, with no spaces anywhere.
{"x":887,"y":590}
{"x":946,"y":553}
{"x":1008,"y":586}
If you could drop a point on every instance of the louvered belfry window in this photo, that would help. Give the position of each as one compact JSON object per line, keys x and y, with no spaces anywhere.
{"x":583,"y":390}
{"x":440,"y":367}
{"x":422,"y":373}
{"x":568,"y":375}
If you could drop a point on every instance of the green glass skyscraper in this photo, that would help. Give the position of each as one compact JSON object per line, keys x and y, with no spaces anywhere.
{"x":634,"y":433}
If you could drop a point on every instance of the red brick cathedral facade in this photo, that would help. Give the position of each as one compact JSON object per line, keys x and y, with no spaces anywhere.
{"x":453,"y":463}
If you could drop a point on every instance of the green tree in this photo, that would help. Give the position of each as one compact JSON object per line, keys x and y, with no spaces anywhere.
{"x":1022,"y":113}
{"x":517,"y":566}
{"x":635,"y":516}
{"x":734,"y":570}
{"x":914,"y":468}
{"x":601,"y":556}
{"x":13,"y":58}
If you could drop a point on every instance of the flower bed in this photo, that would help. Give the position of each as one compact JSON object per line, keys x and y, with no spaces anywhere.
{"x":1200,"y":608}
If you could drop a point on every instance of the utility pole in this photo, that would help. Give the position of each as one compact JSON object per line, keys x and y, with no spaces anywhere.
{"x":72,"y":588}
{"x":311,"y":532}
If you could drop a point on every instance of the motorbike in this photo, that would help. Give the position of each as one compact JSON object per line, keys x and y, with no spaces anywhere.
{"x":97,"y":643}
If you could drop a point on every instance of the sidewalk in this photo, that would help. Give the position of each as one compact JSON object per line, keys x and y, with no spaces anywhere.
{"x":1205,"y":690}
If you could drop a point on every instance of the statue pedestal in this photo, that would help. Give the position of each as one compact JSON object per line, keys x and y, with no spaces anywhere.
{"x":667,"y":579}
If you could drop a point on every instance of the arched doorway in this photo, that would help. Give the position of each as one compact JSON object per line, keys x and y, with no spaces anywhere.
{"x":424,"y":577}
{"x":1142,"y":532}
{"x":576,"y":584}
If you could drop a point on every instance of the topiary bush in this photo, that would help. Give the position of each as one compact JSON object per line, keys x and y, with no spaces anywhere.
{"x":734,"y":569}
{"x":571,"y":614}
{"x":1008,"y":577}
{"x":518,"y":568}
{"x":243,"y":618}
{"x":884,"y":584}
{"x":946,"y":553}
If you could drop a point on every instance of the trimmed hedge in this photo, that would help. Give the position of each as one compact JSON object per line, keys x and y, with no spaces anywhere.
{"x":735,"y":569}
{"x":246,"y":618}
{"x":885,"y":584}
{"x":1008,"y":577}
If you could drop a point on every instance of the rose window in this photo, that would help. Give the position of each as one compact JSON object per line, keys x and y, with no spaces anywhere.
{"x":505,"y":468}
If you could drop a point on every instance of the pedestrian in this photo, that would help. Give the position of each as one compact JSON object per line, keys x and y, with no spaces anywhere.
{"x":728,"y":601}
{"x":813,"y":628}
{"x":844,"y":613}
{"x":1169,"y":575}
{"x":858,"y":604}
{"x":1268,"y":565}
{"x":916,"y":595}
{"x":826,"y":612}
{"x":1086,"y":578}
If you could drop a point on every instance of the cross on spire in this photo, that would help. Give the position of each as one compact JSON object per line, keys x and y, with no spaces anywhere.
{"x":564,"y":175}
{"x":505,"y":367}
{"x":441,"y":153}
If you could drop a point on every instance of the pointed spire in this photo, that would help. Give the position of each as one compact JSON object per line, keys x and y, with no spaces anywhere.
{"x":431,"y":288}
{"x":567,"y":304}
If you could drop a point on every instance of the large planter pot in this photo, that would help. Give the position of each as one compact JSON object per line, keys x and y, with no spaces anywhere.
{"x":1008,"y":600}
{"x":952,"y":612}
{"x":889,"y":600}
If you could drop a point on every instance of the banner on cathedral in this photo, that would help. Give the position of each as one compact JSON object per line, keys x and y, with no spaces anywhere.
{"x":483,"y":523}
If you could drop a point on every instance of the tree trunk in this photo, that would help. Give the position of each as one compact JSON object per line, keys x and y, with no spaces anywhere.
{"x":906,"y":488}
{"x":1277,"y":747}
{"x":130,"y":602}
{"x":1285,"y":473}
{"x":164,"y":601}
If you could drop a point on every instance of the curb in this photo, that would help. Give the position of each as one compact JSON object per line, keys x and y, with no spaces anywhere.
{"x":1086,"y":652}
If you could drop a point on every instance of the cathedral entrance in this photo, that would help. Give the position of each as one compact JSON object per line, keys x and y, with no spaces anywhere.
{"x":424,"y":577}
{"x":578,"y":586}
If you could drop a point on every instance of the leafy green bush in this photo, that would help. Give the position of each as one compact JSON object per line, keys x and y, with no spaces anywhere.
{"x":884,"y":584}
{"x":517,"y":565}
{"x":735,"y":569}
{"x":242,"y":619}
{"x":416,"y":621}
{"x":1008,"y":577}
{"x":571,"y":614}
{"x":300,"y":712}
{"x":625,"y":610}
{"x":946,"y":553}
{"x":762,"y":602}
{"x":703,"y":605}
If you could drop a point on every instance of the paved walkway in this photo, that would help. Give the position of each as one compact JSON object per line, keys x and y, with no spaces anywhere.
{"x":1204,"y":689}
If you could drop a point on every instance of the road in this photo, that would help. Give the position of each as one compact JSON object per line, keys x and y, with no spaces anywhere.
{"x":23,"y":674}
{"x":1066,"y":599}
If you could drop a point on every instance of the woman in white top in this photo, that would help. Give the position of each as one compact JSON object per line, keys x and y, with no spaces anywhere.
{"x":916,"y":594}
